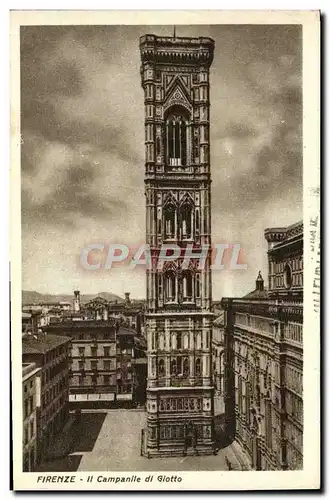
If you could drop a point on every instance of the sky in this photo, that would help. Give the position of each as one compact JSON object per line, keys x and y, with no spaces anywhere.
{"x":82,"y":153}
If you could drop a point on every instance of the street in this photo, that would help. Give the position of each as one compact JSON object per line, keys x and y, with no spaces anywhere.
{"x":109,"y":440}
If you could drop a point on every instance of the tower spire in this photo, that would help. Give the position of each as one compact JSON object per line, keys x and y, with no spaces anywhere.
{"x":174,"y":31}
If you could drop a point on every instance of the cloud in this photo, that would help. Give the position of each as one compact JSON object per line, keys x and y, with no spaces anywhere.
{"x":83,"y":133}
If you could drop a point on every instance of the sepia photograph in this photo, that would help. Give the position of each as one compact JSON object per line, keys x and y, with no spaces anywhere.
{"x":166,"y":292}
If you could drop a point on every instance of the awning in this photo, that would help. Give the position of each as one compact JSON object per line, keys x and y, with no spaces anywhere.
{"x":91,"y":397}
{"x":124,"y":397}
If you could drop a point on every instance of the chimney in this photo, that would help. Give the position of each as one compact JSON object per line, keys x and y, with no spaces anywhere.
{"x":260,"y":282}
{"x":76,"y":301}
{"x":127,"y":299}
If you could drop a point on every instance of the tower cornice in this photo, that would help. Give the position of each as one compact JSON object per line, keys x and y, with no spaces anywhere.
{"x":177,"y":50}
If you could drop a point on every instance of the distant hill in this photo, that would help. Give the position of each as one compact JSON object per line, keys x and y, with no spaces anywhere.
{"x":30,"y":297}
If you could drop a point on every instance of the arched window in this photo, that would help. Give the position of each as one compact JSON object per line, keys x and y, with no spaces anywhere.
{"x":161,"y":368}
{"x":176,"y":137}
{"x":173,"y":367}
{"x":179,"y":341}
{"x":287,"y":276}
{"x":186,"y":366}
{"x":198,"y":341}
{"x":187,"y":282}
{"x":170,"y":287}
{"x":170,"y":221}
{"x":186,"y":216}
{"x":173,"y":341}
{"x":198,"y":367}
{"x":186,"y":341}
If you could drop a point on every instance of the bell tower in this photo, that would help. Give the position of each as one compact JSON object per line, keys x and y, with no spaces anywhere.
{"x":180,"y":407}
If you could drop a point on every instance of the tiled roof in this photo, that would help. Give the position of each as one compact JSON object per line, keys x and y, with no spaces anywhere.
{"x":42,"y":343}
{"x":257,"y":294}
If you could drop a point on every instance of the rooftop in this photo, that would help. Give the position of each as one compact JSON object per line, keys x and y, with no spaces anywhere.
{"x":42,"y":343}
{"x":78,"y":323}
{"x":257,"y":294}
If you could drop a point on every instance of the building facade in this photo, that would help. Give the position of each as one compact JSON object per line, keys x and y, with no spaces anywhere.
{"x":107,"y":360}
{"x":50,"y":354}
{"x":31,"y":407}
{"x":264,"y":359}
{"x":92,"y":359}
{"x":180,"y":399}
{"x":218,"y":353}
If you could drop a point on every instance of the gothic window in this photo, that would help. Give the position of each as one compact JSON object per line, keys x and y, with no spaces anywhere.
{"x":170,"y":282}
{"x":186,"y":341}
{"x":179,"y":365}
{"x":187,"y":282}
{"x":186,"y":215}
{"x":176,"y":137}
{"x":186,"y":366}
{"x":179,"y":341}
{"x":170,"y":222}
{"x":173,"y":344}
{"x":173,"y":367}
{"x":287,"y":276}
{"x":198,"y":341}
{"x":161,"y":368}
{"x":198,"y":369}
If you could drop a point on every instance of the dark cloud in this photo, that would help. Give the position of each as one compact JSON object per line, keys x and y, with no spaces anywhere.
{"x":72,"y":196}
{"x":82,"y":127}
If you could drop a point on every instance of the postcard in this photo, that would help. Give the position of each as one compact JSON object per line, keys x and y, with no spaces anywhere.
{"x":165,"y":250}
